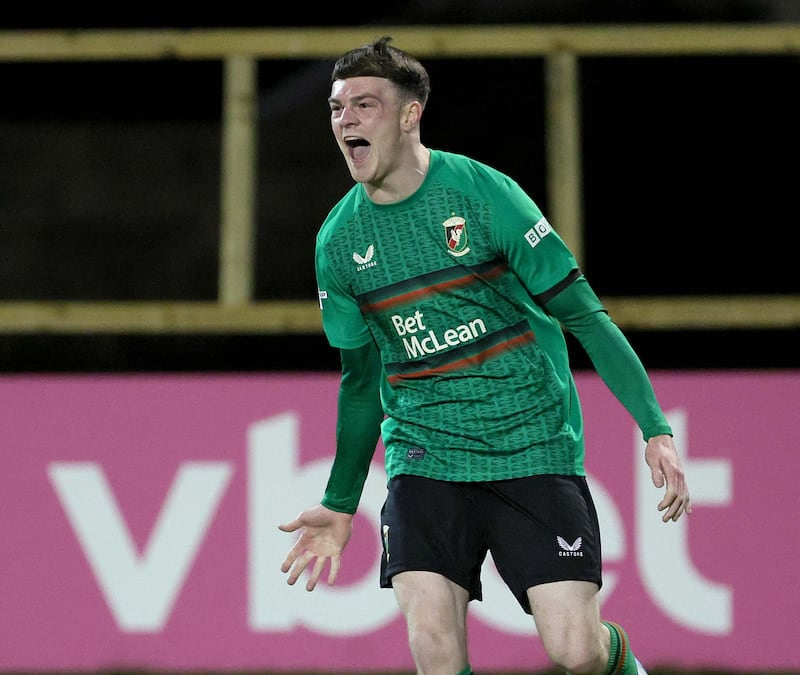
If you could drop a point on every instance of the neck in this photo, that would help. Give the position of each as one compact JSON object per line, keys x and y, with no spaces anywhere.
{"x":405,"y":181}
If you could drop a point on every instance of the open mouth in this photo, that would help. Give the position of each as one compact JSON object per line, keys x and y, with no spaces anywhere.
{"x":358,"y":148}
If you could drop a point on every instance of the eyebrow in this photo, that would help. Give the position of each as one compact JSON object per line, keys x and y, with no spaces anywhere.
{"x":354,"y":99}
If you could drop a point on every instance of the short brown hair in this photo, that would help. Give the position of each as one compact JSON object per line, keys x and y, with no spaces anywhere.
{"x":380,"y":59}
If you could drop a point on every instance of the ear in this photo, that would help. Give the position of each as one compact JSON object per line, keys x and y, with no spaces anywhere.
{"x":412,"y":113}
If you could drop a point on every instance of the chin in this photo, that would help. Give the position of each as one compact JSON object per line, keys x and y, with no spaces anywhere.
{"x":360,"y":174}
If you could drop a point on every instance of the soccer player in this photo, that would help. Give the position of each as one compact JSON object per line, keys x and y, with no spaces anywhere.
{"x":445,"y":290}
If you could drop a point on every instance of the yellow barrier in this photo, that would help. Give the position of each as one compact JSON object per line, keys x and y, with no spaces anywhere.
{"x":239,"y":49}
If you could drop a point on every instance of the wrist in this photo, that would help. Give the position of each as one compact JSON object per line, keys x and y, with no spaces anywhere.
{"x":660,"y":429}
{"x":339,"y":505}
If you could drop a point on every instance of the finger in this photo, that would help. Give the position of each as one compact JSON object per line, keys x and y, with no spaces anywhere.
{"x":336,"y":562}
{"x":291,"y":526}
{"x":674,"y":507}
{"x":658,"y":477}
{"x":676,"y":497}
{"x":670,"y":513}
{"x":316,"y":571}
{"x":292,"y":555}
{"x":667,"y":502}
{"x":674,"y":513}
{"x":299,"y":567}
{"x":286,"y":565}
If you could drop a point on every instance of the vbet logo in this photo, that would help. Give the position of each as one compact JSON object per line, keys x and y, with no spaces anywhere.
{"x":140,"y":590}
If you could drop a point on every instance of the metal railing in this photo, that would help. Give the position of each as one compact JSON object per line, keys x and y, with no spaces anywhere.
{"x":240,"y":50}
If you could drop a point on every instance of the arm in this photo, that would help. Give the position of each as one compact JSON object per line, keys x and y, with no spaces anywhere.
{"x":358,"y":426}
{"x":325,"y":528}
{"x":580,"y":311}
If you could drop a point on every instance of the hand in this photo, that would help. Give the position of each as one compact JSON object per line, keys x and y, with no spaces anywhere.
{"x":323,"y":535}
{"x":665,"y":465}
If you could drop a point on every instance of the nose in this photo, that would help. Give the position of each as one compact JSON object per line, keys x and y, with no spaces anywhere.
{"x":347,"y":117}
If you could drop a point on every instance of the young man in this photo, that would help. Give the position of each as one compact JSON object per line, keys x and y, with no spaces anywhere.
{"x":445,"y":289}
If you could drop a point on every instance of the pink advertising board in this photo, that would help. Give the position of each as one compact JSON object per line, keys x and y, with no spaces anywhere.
{"x":139,"y":513}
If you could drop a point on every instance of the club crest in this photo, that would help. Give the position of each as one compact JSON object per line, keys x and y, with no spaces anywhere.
{"x":455,"y":233}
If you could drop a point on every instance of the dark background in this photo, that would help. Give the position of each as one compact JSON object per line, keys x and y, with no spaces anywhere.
{"x":110,"y":185}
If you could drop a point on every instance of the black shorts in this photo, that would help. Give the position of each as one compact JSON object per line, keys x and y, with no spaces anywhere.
{"x":539,"y":529}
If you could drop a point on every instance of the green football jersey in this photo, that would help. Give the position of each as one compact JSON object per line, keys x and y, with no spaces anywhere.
{"x":476,"y":384}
